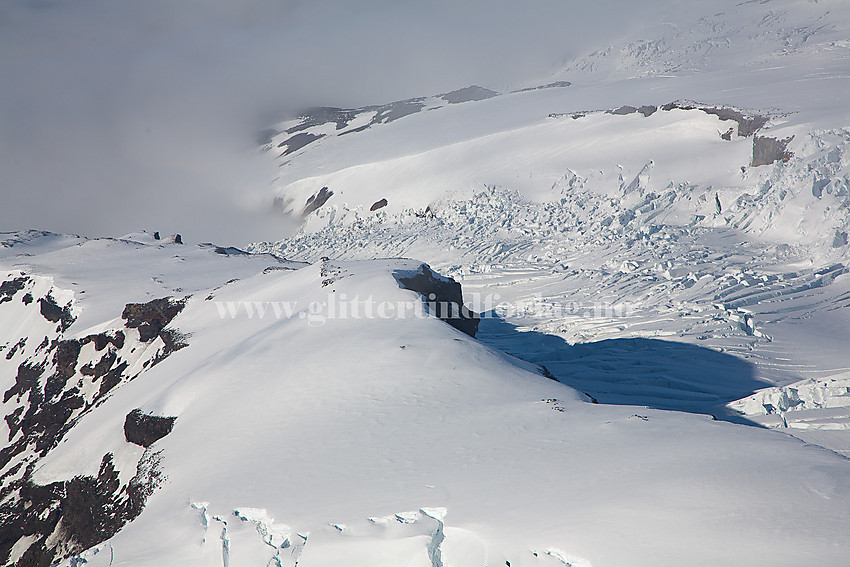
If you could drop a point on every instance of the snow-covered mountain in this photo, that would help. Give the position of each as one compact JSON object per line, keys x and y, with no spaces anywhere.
{"x":599,"y":319}
{"x":694,"y":176}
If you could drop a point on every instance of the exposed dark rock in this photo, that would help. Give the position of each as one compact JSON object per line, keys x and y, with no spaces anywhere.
{"x":145,"y":429}
{"x":468,"y":94}
{"x":156,"y":235}
{"x":51,"y":311}
{"x":556,"y":84}
{"x":25,"y":381}
{"x":88,"y":514}
{"x":748,"y":124}
{"x":174,"y":341}
{"x":6,"y":455}
{"x":444,"y":298}
{"x":388,"y":113}
{"x":101,"y":340}
{"x":111,"y":379}
{"x":383,"y":114}
{"x":271,"y":269}
{"x":330,"y":273}
{"x":840,"y":239}
{"x":43,"y":418}
{"x":118,"y":339}
{"x":65,"y":359}
{"x":16,"y":347}
{"x":27,"y":299}
{"x":298,"y":141}
{"x":323,"y":114}
{"x":427,"y":213}
{"x":101,"y":367}
{"x":8,"y":289}
{"x":393,"y":111}
{"x":35,"y":512}
{"x":316,"y":201}
{"x":177,"y":239}
{"x":151,"y":317}
{"x":727,"y":135}
{"x":378,"y":205}
{"x":229,"y":251}
{"x":13,"y":420}
{"x":66,"y":518}
{"x":53,"y":419}
{"x":769,"y":150}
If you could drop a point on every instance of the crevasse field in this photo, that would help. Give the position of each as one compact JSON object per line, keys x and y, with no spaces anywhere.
{"x":654,"y":240}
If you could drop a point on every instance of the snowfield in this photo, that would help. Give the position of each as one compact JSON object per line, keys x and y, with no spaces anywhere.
{"x":600,"y":320}
{"x":402,"y":440}
{"x":690,"y":183}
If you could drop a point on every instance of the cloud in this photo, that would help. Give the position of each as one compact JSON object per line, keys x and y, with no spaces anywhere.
{"x":118,"y":115}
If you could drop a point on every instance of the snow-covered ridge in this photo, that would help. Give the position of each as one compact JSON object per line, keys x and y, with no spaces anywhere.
{"x":66,"y":349}
{"x":380,"y":441}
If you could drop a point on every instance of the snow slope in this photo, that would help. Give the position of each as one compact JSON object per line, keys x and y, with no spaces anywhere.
{"x":399,"y":440}
{"x":660,"y":226}
{"x":691,"y":181}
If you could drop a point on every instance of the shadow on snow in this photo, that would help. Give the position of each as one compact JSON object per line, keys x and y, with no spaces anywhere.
{"x":642,"y":372}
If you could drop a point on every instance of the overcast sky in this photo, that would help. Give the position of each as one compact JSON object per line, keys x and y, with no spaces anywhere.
{"x":121,"y":115}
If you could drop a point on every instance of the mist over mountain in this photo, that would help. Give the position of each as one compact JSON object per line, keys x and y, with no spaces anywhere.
{"x":145,"y":115}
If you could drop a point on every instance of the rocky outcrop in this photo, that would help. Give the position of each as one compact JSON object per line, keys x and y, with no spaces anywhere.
{"x":646,"y":110}
{"x":769,"y":150}
{"x":151,"y":317}
{"x":378,"y":205}
{"x":298,"y":141}
{"x":54,"y":313}
{"x":316,"y":201}
{"x":102,"y":340}
{"x":9,"y":288}
{"x":555,"y":85}
{"x":54,"y":386}
{"x":748,"y":124}
{"x":443,"y":296}
{"x":468,"y":94}
{"x":145,"y":429}
{"x":64,"y":518}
